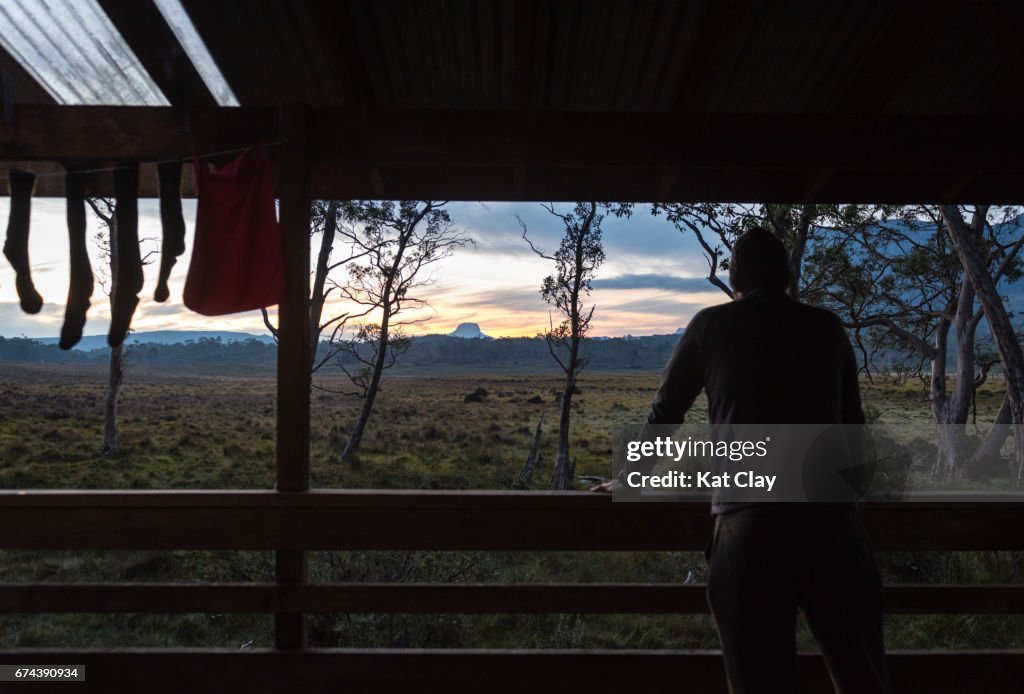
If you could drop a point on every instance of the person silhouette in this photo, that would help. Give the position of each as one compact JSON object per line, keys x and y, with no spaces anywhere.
{"x":765,"y":358}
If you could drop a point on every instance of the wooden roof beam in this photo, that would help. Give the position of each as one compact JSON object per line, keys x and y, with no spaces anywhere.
{"x":151,"y":39}
{"x":18,"y":86}
{"x":103,"y":133}
{"x":471,"y":154}
{"x":500,"y":138}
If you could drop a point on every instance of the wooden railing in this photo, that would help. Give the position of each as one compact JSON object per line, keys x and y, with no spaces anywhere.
{"x":414,"y":520}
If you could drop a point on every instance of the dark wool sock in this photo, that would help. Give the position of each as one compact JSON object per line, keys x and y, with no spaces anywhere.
{"x":172,"y":221}
{"x":16,"y":246}
{"x":125,"y":259}
{"x":81,"y":285}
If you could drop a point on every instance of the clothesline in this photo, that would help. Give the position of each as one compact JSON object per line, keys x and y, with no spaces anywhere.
{"x":236,"y":262}
{"x":110,"y":169}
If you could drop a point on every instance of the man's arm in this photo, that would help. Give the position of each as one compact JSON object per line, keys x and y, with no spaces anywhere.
{"x":681,"y":382}
{"x":683,"y":378}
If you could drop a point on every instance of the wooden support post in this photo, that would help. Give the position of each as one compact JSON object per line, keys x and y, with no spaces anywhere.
{"x":293,"y":379}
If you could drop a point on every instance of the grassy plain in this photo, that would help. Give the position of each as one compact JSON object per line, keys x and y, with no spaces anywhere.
{"x":189,"y":430}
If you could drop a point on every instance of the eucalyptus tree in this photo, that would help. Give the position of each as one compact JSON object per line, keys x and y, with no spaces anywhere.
{"x":576,"y":260}
{"x":894,"y":277}
{"x":974,"y":248}
{"x":392,"y":245}
{"x":106,"y":273}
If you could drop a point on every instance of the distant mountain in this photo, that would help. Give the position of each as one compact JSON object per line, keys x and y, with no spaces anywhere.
{"x":430,"y":354}
{"x":469,"y":331}
{"x":163,"y":337}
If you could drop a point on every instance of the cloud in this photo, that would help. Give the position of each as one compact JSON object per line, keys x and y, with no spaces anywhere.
{"x":168,"y":309}
{"x":641,"y":240}
{"x":671,"y":283}
{"x":519,"y":300}
{"x":650,"y":267}
{"x":16,"y":322}
{"x":669,"y":306}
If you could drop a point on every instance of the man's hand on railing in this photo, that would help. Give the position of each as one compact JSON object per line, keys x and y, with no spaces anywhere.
{"x":608,"y":487}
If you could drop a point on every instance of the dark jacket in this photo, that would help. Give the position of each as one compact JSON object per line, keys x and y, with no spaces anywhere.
{"x":762,"y":359}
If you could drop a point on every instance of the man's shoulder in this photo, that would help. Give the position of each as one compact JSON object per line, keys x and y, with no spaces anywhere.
{"x":740,"y":310}
{"x":709,"y":314}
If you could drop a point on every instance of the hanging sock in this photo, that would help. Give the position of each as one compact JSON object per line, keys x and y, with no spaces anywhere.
{"x":172,"y":221}
{"x":81,"y":284}
{"x":236,"y":258}
{"x":125,"y":258}
{"x":23,"y":183}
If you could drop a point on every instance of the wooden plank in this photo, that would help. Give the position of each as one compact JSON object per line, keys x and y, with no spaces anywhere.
{"x":640,"y":184}
{"x":471,"y":671}
{"x":442,"y":520}
{"x":740,"y":141}
{"x":293,"y":378}
{"x":107,"y":133}
{"x":473,"y":598}
{"x":472,"y":155}
{"x":557,"y":141}
{"x":646,"y":184}
{"x":18,"y":86}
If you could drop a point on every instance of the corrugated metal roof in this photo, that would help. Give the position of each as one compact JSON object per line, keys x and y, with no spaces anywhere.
{"x":177,"y":19}
{"x":733,"y":56}
{"x":74,"y":52}
{"x":728,"y":56}
{"x":508,"y":99}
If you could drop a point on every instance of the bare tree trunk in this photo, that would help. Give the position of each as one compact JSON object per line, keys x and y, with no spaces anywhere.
{"x":937,"y":398}
{"x":526,"y":474}
{"x":388,"y":308}
{"x":1010,"y":355}
{"x":116,"y":376}
{"x":371,"y":391}
{"x":993,"y":442}
{"x":318,"y":298}
{"x":562,"y":475}
{"x":951,"y":417}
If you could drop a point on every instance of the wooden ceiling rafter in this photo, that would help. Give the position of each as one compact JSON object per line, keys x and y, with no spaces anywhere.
{"x":889,"y":60}
{"x":724,"y":28}
{"x":19,"y":86}
{"x":151,"y":39}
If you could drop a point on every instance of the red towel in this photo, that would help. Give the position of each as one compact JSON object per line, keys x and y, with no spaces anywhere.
{"x":236,"y":258}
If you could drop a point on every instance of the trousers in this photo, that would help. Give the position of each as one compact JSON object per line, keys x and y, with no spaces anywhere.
{"x":764,"y":565}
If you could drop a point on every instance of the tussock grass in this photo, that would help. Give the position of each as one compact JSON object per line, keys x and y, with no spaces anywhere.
{"x":191,"y":430}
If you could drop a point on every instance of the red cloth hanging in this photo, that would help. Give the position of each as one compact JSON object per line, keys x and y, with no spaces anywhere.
{"x":236,"y":257}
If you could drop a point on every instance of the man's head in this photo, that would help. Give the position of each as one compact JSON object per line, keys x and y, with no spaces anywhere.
{"x":759,"y":262}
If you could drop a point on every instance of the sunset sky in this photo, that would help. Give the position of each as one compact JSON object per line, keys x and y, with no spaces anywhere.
{"x":652,"y":282}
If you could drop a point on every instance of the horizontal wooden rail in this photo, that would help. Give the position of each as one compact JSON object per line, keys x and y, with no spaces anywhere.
{"x":494,"y":671}
{"x":440,"y":137}
{"x":462,"y":598}
{"x":441,"y":520}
